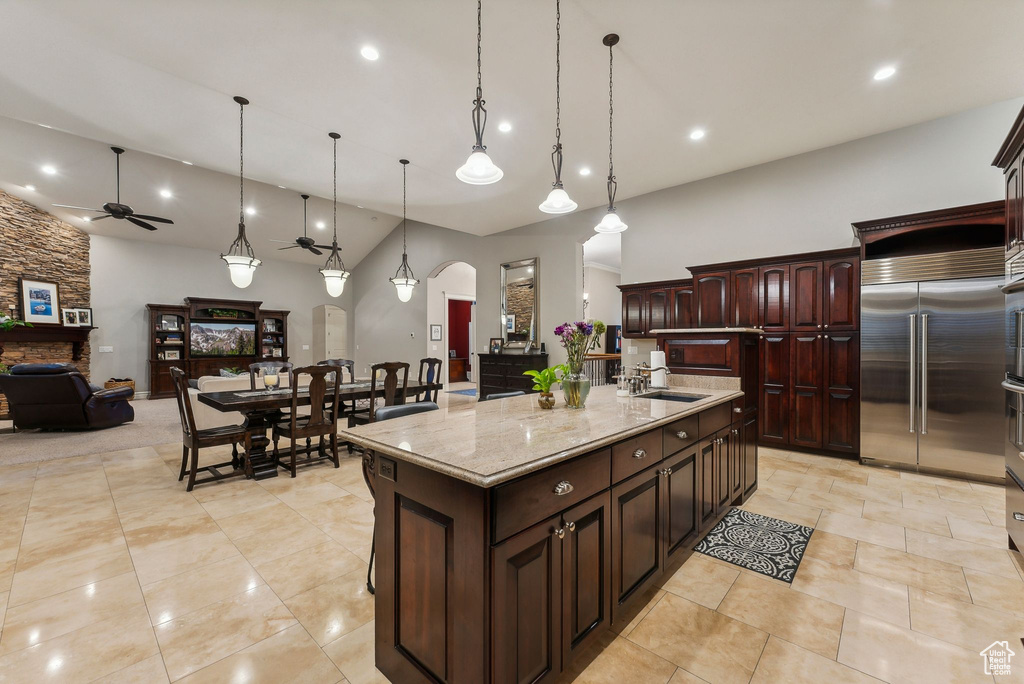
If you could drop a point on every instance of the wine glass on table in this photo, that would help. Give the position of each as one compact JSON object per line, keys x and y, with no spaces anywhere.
{"x":271,"y":379}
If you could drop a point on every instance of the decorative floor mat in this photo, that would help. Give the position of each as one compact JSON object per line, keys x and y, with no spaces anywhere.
{"x":467,"y":392}
{"x":768,"y":546}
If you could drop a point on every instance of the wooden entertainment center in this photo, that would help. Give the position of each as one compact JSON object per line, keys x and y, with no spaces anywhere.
{"x":170,"y":330}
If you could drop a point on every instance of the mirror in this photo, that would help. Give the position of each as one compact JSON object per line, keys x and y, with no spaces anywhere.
{"x":520,"y":302}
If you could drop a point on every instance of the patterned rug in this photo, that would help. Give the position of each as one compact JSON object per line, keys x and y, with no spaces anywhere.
{"x":765,"y":545}
{"x":467,"y":392}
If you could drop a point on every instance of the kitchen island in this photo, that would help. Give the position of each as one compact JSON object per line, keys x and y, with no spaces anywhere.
{"x":508,"y":537}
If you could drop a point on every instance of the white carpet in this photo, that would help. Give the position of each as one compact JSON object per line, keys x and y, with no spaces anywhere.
{"x":156,"y":422}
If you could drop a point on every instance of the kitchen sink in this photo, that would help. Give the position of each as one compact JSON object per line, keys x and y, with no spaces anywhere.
{"x":675,"y":396}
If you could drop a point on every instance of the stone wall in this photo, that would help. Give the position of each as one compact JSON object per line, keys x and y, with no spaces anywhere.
{"x":519,"y":301}
{"x":38,"y":245}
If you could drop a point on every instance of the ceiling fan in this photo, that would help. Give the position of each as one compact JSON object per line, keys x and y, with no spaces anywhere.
{"x":118,"y":210}
{"x":304,"y":242}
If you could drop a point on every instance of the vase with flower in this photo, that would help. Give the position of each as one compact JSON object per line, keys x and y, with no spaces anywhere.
{"x":579,"y":339}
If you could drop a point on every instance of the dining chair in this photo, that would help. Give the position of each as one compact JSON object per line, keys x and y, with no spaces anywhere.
{"x":430,"y":371}
{"x":390,"y":390}
{"x":342,"y":364}
{"x":321,"y":422}
{"x":256,"y":371}
{"x":193,"y":440}
{"x":503,"y":395}
{"x":370,"y":473}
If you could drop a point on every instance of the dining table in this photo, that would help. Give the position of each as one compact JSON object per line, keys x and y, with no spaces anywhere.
{"x":263,"y":408}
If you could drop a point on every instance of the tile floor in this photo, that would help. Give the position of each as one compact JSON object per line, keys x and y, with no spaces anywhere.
{"x":110,"y":571}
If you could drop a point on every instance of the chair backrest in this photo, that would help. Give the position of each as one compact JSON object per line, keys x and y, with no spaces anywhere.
{"x":430,"y":371}
{"x":30,"y":384}
{"x":390,"y":390}
{"x":503,"y":395}
{"x":389,"y":412}
{"x":256,"y":368}
{"x":320,"y":397}
{"x":343,"y":364}
{"x":188,"y":420}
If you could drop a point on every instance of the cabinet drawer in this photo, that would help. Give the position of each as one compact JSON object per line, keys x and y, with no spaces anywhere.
{"x":1014,"y":509}
{"x":635,"y":454}
{"x":714,"y":419}
{"x":680,"y":434}
{"x":533,"y":498}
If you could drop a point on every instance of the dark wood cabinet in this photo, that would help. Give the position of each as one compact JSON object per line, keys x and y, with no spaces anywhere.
{"x":723,"y":476}
{"x":504,"y":372}
{"x":707,"y":462}
{"x":655,"y":306}
{"x":1010,"y":159}
{"x":682,"y":305}
{"x":659,"y":309}
{"x":633,"y":314}
{"x":805,"y":405}
{"x":586,"y":574}
{"x":681,"y":501}
{"x":745,"y":307}
{"x":637,"y":507}
{"x":748,"y":440}
{"x":736,"y":460}
{"x":712,"y":299}
{"x":841,"y":297}
{"x":805,"y":292}
{"x":773,"y":408}
{"x":773,"y":298}
{"x":841,"y":410}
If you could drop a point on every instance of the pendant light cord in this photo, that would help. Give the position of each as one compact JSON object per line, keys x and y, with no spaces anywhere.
{"x":558,"y":73}
{"x":479,"y":111}
{"x":335,"y":190}
{"x":479,"y":41}
{"x":117,"y":158}
{"x":403,"y":212}
{"x":241,"y":163}
{"x":612,"y":185}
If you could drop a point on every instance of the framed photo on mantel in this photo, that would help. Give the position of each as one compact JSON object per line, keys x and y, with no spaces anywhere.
{"x":40,"y":302}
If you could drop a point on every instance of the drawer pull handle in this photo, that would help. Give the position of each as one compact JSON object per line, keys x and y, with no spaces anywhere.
{"x":665,"y":472}
{"x":571,"y":526}
{"x":560,"y":533}
{"x":639,"y":453}
{"x":735,"y":432}
{"x":563,"y":488}
{"x":737,"y":410}
{"x":682,"y":434}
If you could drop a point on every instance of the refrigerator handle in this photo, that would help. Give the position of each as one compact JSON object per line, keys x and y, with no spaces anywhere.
{"x":913,"y":369}
{"x":924,"y":374}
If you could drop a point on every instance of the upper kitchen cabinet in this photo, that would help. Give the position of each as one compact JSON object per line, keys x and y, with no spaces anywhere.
{"x":659,"y":309}
{"x":805,"y":294}
{"x":745,"y":307}
{"x":1011,"y":160}
{"x":682,"y":305}
{"x":712,"y":298}
{"x":773,"y":297}
{"x":654,"y":306}
{"x":634,"y":313}
{"x":842,"y":294}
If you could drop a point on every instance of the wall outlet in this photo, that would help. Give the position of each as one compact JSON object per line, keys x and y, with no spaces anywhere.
{"x":631,"y":350}
{"x":106,"y":350}
{"x":305,"y":347}
{"x":433,"y":347}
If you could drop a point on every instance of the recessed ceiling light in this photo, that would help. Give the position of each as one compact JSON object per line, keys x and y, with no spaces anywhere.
{"x":45,"y":126}
{"x":86,"y":219}
{"x":697,"y":133}
{"x":585,"y":171}
{"x":186,"y":162}
{"x":884,"y":73}
{"x":166,"y":194}
{"x":359,"y":206}
{"x":282,"y":187}
{"x":30,"y":188}
{"x":504,"y":127}
{"x":370,"y":53}
{"x":321,"y":225}
{"x":251,"y":211}
{"x":48,"y":170}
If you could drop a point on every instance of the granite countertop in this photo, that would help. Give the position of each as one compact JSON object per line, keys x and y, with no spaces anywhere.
{"x":668,"y":331}
{"x":496,"y":441}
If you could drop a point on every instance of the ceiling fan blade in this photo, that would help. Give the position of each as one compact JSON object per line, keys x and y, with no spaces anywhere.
{"x":327,"y":247}
{"x":100,"y":218}
{"x":140,"y":224}
{"x":155,"y":219}
{"x":71,"y":206}
{"x":316,"y":251}
{"x":283,"y":242}
{"x":281,"y":249}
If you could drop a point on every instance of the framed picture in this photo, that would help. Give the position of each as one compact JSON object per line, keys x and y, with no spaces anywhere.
{"x":168,"y":322}
{"x":435,"y":332}
{"x":84,"y":317}
{"x":172,"y":355}
{"x":40,"y":302}
{"x":70,"y":318}
{"x":510,"y":323}
{"x":495,"y":345}
{"x":451,"y":353}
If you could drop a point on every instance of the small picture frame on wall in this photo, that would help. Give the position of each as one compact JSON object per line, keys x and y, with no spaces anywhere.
{"x":70,"y":318}
{"x":172,"y":355}
{"x":510,"y":323}
{"x":40,"y":301}
{"x":495,"y":345}
{"x":435,"y":332}
{"x":84,"y":318}
{"x":451,"y":353}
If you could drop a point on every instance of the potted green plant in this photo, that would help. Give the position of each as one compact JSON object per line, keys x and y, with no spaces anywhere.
{"x":542,"y":382}
{"x":7,"y":323}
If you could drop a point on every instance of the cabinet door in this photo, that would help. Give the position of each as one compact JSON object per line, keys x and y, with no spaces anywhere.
{"x":841,"y":298}
{"x":526,"y":604}
{"x":681,"y":501}
{"x":806,"y":392}
{"x":723,"y":475}
{"x":711,"y":292}
{"x":682,"y":306}
{"x":1013,"y":206}
{"x":773,"y":297}
{"x":774,"y":383}
{"x":841,"y":418}
{"x":805,"y":296}
{"x":658,"y":309}
{"x":636,"y":534}
{"x":706,"y":462}
{"x":735,"y":460}
{"x":745,"y":308}
{"x":633,"y":314}
{"x":586,"y":574}
{"x":748,"y":437}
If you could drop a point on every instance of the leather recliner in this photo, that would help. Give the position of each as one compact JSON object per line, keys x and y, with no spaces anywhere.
{"x":56,"y":396}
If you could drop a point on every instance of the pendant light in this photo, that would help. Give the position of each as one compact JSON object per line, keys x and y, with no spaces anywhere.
{"x":241,"y":260}
{"x":404,"y":280}
{"x":334,"y":272}
{"x":558,"y":201}
{"x":611,"y":223}
{"x":479,"y":169}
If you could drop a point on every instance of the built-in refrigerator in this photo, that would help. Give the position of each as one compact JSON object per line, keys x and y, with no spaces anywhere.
{"x":932,"y":361}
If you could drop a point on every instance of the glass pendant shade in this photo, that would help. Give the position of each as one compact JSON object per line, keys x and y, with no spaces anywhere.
{"x":479,"y":170}
{"x":558,"y":202}
{"x":404,"y":287}
{"x":334,"y":279}
{"x":241,"y":269}
{"x":611,"y":223}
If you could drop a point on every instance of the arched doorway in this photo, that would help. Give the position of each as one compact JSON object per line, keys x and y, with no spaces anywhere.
{"x":451,"y":306}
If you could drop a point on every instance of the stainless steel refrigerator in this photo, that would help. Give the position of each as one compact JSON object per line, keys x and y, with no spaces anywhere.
{"x":932,"y":360}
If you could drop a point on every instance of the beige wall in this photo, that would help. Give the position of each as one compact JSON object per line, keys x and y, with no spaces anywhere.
{"x":605,"y":301}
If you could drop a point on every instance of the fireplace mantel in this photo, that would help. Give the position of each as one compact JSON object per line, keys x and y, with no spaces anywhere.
{"x":48,"y":333}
